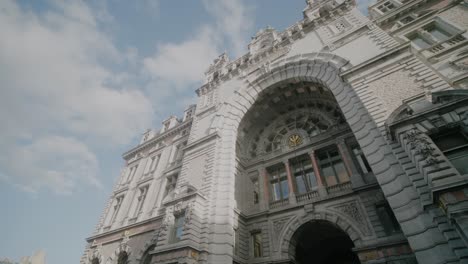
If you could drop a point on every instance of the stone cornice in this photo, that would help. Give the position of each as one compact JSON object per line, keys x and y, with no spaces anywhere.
{"x":201,"y":141}
{"x":400,"y":49}
{"x":154,"y":141}
{"x":112,"y":232}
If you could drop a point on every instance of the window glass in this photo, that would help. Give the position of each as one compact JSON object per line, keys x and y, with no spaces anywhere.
{"x":454,"y":145}
{"x":284,"y":189}
{"x":278,"y":182}
{"x":420,"y":42}
{"x":359,"y":157}
{"x":178,"y":228}
{"x":257,"y":244}
{"x":438,"y":33}
{"x":332,"y":166}
{"x":300,"y":184}
{"x":387,"y":218}
{"x":341,"y":171}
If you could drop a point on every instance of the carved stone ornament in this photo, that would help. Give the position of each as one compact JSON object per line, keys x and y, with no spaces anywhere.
{"x":423,"y":147}
{"x":352,"y":211}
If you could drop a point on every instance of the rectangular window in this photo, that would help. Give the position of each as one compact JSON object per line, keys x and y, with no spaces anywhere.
{"x":386,"y":7}
{"x":236,"y":241}
{"x":387,"y":218}
{"x":154,"y":163}
{"x":454,"y":145}
{"x":434,"y":33}
{"x":178,"y":229}
{"x":332,"y":166}
{"x":256,"y":192}
{"x":117,"y":205}
{"x":132,"y":172}
{"x":279,"y":182}
{"x":141,"y":199}
{"x":304,"y":174}
{"x":257,"y":244}
{"x":361,"y":160}
{"x":171,"y":184}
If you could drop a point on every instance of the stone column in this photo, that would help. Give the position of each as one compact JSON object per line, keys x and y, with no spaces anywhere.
{"x":321,"y":186}
{"x":354,"y":176}
{"x":292,"y":193}
{"x":266,"y":188}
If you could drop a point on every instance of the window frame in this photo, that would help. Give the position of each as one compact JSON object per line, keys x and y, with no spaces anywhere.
{"x":257,"y":244}
{"x":281,"y":177}
{"x":331,"y":163}
{"x":447,"y":133}
{"x":179,"y":224}
{"x":388,"y":218}
{"x":424,"y":33}
{"x":306,"y":172}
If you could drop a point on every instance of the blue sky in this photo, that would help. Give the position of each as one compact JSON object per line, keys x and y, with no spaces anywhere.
{"x":80,"y":81}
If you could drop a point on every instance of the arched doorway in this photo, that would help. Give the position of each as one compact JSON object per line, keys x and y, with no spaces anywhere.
{"x":321,"y":242}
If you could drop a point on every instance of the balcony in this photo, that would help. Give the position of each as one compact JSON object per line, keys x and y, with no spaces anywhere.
{"x":445,"y":46}
{"x":279,"y":203}
{"x":339,"y":187}
{"x":309,"y":196}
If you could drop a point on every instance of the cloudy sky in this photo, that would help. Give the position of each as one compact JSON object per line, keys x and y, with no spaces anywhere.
{"x":80,"y":81}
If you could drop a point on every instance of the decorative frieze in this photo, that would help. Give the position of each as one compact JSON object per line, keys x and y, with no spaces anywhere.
{"x":421,"y":143}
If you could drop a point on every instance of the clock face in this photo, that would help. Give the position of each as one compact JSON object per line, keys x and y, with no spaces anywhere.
{"x":294,"y":140}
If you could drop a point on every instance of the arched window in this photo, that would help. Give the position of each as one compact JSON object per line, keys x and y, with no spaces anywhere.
{"x":95,"y":261}
{"x":123,"y":258}
{"x":146,"y":259}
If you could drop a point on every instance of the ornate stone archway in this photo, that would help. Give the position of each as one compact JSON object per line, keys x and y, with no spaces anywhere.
{"x":293,"y":225}
{"x":325,"y":69}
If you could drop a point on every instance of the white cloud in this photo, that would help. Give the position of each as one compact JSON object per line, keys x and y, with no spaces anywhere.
{"x":233,"y":20}
{"x":177,"y":69}
{"x":56,"y":163}
{"x":54,"y":82}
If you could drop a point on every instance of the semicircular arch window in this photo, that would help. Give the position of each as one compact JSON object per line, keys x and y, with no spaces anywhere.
{"x":274,"y":136}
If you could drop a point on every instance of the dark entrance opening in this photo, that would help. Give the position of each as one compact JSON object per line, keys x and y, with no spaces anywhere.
{"x":322,"y":242}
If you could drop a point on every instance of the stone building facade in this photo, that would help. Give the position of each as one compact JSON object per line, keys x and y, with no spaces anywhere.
{"x":343,"y":139}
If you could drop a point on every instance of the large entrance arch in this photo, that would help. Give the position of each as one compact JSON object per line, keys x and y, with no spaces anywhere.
{"x":323,"y":69}
{"x":321,"y":242}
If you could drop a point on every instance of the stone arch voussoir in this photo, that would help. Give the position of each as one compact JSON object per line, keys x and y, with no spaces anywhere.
{"x":288,"y":232}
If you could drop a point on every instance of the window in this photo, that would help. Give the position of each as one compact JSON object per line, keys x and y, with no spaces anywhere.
{"x":178,"y":229}
{"x":387,"y":218}
{"x":117,"y":204}
{"x":257,"y":244}
{"x":141,"y":199}
{"x":95,"y":261}
{"x":146,"y":259}
{"x":434,"y":33}
{"x":131,"y":173}
{"x":171,"y":183}
{"x":279,"y":182}
{"x":256,"y":195}
{"x":236,"y":241}
{"x":386,"y":7}
{"x":152,"y":164}
{"x":123,"y":258}
{"x":454,"y":145}
{"x":407,"y":19}
{"x":361,"y":160}
{"x":304,"y":174}
{"x":332,"y":167}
